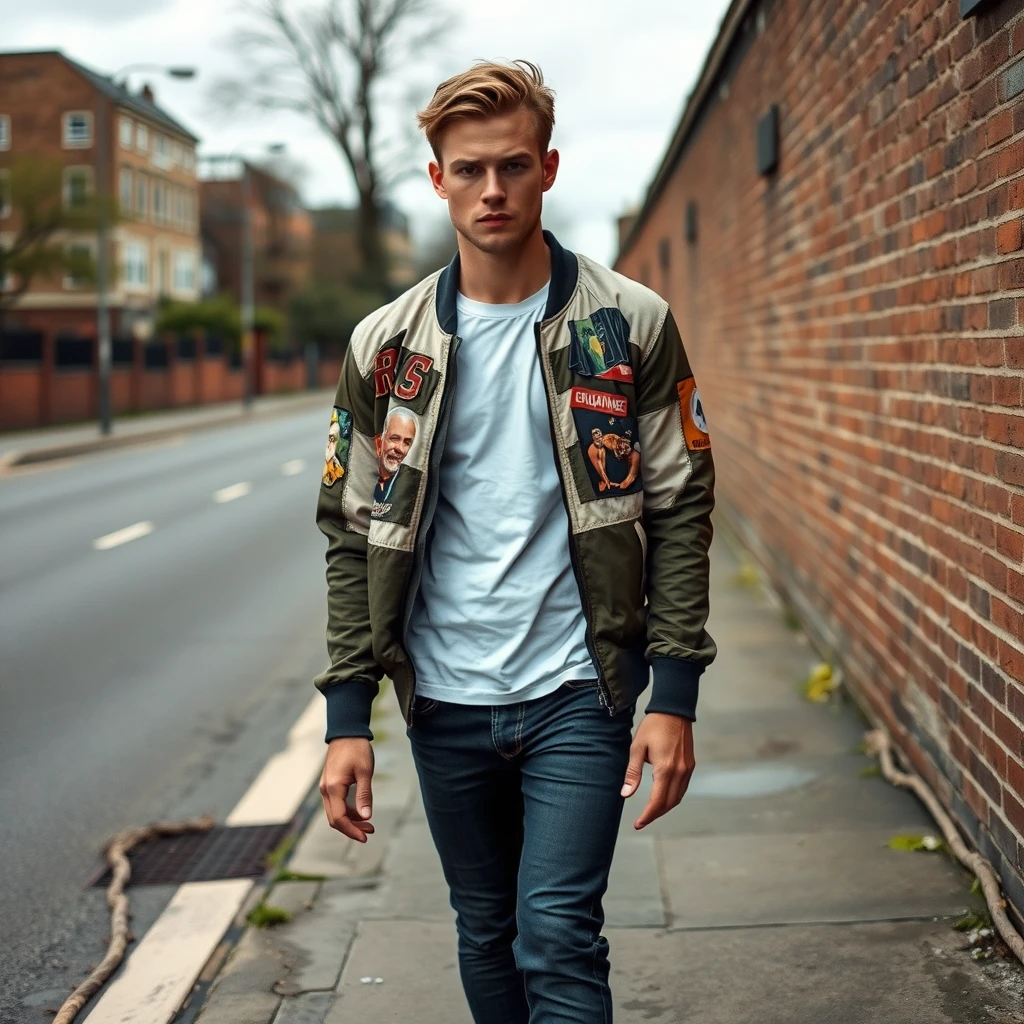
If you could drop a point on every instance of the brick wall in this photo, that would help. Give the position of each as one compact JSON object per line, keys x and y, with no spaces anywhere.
{"x":855,"y":320}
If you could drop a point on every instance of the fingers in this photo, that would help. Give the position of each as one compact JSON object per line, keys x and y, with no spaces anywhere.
{"x":670,"y":785}
{"x":635,"y":768}
{"x":364,"y":792}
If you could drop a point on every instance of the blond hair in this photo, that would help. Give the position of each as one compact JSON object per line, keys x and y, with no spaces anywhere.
{"x":488,"y":89}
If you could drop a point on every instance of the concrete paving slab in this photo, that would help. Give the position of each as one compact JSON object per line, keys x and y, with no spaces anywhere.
{"x":634,"y":896}
{"x":295,"y":897}
{"x":893,"y":973}
{"x":785,"y":795}
{"x":323,"y":851}
{"x":308,"y":1008}
{"x":729,"y":880}
{"x":797,"y":730}
{"x":243,"y":993}
{"x":418,"y":966}
{"x":415,"y":887}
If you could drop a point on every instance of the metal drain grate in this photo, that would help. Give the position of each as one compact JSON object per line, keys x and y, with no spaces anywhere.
{"x":222,"y":852}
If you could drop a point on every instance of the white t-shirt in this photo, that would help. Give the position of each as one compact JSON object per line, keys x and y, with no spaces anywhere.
{"x":498,"y":617}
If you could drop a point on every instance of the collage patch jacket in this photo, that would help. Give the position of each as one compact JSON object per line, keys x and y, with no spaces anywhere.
{"x":632,"y":450}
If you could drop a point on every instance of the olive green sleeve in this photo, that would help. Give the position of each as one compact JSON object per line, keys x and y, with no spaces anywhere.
{"x":351,"y":681}
{"x":679,"y":479}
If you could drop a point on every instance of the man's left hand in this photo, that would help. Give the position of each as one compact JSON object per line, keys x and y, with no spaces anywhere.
{"x":666,"y":742}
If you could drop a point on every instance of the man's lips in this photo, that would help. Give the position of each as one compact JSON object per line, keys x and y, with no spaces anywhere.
{"x":495,"y":218}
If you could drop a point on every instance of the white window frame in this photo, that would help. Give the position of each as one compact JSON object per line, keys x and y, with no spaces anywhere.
{"x":162,"y":151}
{"x":5,"y":205}
{"x":142,"y":137}
{"x":141,"y":185}
{"x":70,"y":171}
{"x":159,"y":206}
{"x":125,"y":176}
{"x":183,"y":264}
{"x":5,"y":132}
{"x":126,"y":132}
{"x":135,"y":256}
{"x":66,"y":138}
{"x":71,"y":283}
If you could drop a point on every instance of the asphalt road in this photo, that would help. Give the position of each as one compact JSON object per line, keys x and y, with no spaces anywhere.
{"x":145,"y":680}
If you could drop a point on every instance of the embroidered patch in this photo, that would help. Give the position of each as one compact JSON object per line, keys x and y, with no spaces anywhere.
{"x":610,"y":443}
{"x":414,"y":372}
{"x":599,"y":346}
{"x":384,"y":371}
{"x":691,"y":409}
{"x":391,"y":494}
{"x":339,"y":440}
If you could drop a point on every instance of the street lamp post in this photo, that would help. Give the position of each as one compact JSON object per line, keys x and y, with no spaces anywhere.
{"x":102,"y":256}
{"x":247,"y":288}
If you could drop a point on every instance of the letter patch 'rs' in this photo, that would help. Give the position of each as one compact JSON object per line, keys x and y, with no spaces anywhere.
{"x":691,"y":409}
{"x":384,"y":371}
{"x":609,"y":439}
{"x":416,"y":367}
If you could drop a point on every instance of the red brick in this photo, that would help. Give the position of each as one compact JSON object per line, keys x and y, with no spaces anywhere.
{"x":1008,"y":236}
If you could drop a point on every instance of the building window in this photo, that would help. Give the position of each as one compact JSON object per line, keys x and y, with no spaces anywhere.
{"x":184,"y":272}
{"x":162,"y":151}
{"x":77,"y":187}
{"x":142,"y":138}
{"x":127,"y":132}
{"x":159,"y":203}
{"x":5,"y":131}
{"x":77,"y":129}
{"x":5,"y":193}
{"x":81,"y":250}
{"x":126,"y":190}
{"x":141,"y":196}
{"x":179,"y":208}
{"x":135,"y":268}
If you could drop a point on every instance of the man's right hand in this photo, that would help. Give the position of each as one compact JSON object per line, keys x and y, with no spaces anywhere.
{"x":349,"y":763}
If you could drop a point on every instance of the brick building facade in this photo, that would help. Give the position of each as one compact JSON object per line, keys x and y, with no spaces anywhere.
{"x":855,"y":317}
{"x":55,"y":108}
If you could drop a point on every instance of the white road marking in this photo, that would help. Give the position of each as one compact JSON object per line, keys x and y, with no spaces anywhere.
{"x":239,"y":490}
{"x":293,"y":467}
{"x":118,"y":537}
{"x":279,"y":789}
{"x":163,"y":967}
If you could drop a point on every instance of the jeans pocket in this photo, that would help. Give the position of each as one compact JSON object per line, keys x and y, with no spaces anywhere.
{"x":423,"y":706}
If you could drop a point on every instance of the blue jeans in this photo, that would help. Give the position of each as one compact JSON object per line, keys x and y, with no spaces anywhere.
{"x":523,"y":805}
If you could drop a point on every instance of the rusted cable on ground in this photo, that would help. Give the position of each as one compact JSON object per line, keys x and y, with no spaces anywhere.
{"x":878,"y":743}
{"x":121,"y":871}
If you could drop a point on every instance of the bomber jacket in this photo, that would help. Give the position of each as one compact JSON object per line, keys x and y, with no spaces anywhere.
{"x":633,"y":454}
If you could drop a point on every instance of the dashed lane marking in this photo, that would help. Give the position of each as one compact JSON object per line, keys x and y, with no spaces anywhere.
{"x":239,"y":490}
{"x":293,"y":467}
{"x":118,"y":537}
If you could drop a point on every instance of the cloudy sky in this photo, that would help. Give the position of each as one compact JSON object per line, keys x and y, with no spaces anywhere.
{"x":621,"y":70}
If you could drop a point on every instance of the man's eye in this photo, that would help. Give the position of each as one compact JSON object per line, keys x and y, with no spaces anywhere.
{"x":514,"y":165}
{"x":466,"y":171}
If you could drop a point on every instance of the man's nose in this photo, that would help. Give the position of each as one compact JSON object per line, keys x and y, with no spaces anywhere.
{"x":494,"y":191}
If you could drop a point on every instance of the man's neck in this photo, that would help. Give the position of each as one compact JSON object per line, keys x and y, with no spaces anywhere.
{"x":500,"y":278}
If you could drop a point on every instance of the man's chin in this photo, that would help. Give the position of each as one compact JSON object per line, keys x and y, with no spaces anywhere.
{"x":497,"y":243}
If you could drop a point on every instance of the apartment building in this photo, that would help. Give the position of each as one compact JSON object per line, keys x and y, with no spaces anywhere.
{"x":114,"y":142}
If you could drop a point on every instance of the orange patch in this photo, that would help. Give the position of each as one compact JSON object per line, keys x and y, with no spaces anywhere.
{"x":695,"y":427}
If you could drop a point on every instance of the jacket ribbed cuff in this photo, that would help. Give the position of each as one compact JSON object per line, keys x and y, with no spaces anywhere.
{"x":348,"y":710}
{"x":676,"y":682}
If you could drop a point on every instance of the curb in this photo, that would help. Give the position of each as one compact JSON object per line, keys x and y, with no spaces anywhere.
{"x":32,"y":456}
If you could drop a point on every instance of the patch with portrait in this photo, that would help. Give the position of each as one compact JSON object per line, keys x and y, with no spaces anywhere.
{"x":397,"y":484}
{"x":339,"y":440}
{"x":609,"y":440}
{"x":599,"y":346}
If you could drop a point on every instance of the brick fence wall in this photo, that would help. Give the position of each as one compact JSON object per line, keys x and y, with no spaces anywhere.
{"x":855,"y":322}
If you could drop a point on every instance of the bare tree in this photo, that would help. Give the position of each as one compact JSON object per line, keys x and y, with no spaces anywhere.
{"x":330,"y":63}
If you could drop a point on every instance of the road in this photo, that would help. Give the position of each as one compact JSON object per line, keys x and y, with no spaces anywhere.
{"x":150,"y":676}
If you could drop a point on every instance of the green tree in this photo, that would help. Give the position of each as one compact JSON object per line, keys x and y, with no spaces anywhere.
{"x":218,"y":316}
{"x":326,"y":315}
{"x":47,"y":213}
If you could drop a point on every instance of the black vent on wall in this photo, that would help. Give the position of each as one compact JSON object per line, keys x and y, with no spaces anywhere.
{"x":691,"y":221}
{"x":768,"y":141}
{"x":664,"y":253}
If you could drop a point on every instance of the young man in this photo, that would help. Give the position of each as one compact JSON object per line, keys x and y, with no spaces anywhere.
{"x":527,"y":578}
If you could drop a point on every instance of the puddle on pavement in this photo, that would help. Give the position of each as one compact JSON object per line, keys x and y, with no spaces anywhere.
{"x":738,"y":783}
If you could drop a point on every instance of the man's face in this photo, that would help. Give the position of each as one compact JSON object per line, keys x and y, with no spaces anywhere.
{"x":596,"y":435}
{"x":332,"y":441}
{"x":395,"y":443}
{"x":494,"y":176}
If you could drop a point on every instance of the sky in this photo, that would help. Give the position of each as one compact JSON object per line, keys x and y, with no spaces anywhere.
{"x":621,"y":71}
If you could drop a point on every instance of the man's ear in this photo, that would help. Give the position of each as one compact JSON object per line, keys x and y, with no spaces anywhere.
{"x":549,"y":165}
{"x":437,"y":178}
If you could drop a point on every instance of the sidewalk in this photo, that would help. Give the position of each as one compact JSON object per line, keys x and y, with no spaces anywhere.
{"x":23,"y":447}
{"x":769,"y":895}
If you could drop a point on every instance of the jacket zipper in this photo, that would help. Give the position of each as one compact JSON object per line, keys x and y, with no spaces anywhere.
{"x":602,"y":687}
{"x":433,"y":489}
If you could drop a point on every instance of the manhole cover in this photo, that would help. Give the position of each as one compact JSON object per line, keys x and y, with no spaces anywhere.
{"x":222,"y":852}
